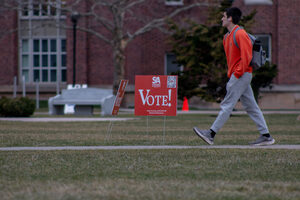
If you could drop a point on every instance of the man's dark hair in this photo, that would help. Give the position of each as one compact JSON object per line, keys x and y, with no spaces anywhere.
{"x":235,"y":13}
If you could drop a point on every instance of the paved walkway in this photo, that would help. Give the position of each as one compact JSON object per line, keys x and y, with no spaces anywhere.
{"x":63,"y":119}
{"x":217,"y":111}
{"x":84,"y":119}
{"x":266,"y":112}
{"x":291,"y":147}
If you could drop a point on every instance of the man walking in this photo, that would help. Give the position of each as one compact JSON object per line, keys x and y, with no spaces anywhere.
{"x":238,"y":86}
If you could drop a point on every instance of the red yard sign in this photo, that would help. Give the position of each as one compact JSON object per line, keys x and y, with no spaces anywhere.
{"x":155,"y":95}
{"x":119,"y":96}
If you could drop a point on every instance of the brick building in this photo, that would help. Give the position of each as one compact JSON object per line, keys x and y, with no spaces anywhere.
{"x":42,"y":52}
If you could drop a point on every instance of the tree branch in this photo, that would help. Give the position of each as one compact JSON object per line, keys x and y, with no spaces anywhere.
{"x":133,"y":4}
{"x":97,"y":34}
{"x":158,"y":23}
{"x":105,"y":22}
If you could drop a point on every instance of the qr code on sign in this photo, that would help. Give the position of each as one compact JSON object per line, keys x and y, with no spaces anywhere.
{"x":171,"y":82}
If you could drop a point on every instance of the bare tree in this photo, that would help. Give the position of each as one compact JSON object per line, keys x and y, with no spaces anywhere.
{"x":111,"y":21}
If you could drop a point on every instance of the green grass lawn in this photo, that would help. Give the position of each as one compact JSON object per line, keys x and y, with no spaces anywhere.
{"x":149,"y":174}
{"x":178,"y":131}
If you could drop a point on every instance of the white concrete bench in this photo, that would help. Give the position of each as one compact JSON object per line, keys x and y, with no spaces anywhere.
{"x":84,"y":100}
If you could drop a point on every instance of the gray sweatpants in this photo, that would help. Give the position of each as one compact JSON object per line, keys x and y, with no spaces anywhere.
{"x":240,"y":89}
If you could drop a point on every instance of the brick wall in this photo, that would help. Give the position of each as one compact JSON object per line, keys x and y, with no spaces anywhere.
{"x":282,"y":21}
{"x":8,"y":48}
{"x":288,"y":41}
{"x":145,"y":55}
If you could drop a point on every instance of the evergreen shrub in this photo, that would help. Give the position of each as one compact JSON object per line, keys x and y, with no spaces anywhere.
{"x":17,"y":107}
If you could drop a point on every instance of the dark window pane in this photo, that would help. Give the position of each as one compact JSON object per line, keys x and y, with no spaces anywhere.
{"x":36,"y":45}
{"x":53,"y":61}
{"x":45,"y":75}
{"x":45,"y":45}
{"x":36,"y":60}
{"x":53,"y":75}
{"x":36,"y":75}
{"x":45,"y":60}
{"x":172,"y":66}
{"x":63,"y":45}
{"x":53,"y":10}
{"x":36,"y":9}
{"x":44,"y":9}
{"x":53,"y":45}
{"x":25,"y":12}
{"x":25,"y":9}
{"x":63,"y":60}
{"x":63,"y":75}
{"x":63,"y":9}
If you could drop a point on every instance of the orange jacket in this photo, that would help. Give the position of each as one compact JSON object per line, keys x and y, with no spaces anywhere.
{"x":238,"y":59}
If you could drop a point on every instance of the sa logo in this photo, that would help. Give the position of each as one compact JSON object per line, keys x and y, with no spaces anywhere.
{"x":156,"y":82}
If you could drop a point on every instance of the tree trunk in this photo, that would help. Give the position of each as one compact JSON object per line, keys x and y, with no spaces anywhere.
{"x":119,"y":64}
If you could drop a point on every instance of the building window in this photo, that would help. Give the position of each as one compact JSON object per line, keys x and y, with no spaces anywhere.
{"x":42,"y":41}
{"x":44,"y":59}
{"x":174,"y":2}
{"x":258,"y":2}
{"x":266,"y":44}
{"x":170,"y":64}
{"x":43,"y":8}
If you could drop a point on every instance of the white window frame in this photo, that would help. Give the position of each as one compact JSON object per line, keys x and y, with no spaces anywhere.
{"x":31,"y":68}
{"x":174,"y":2}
